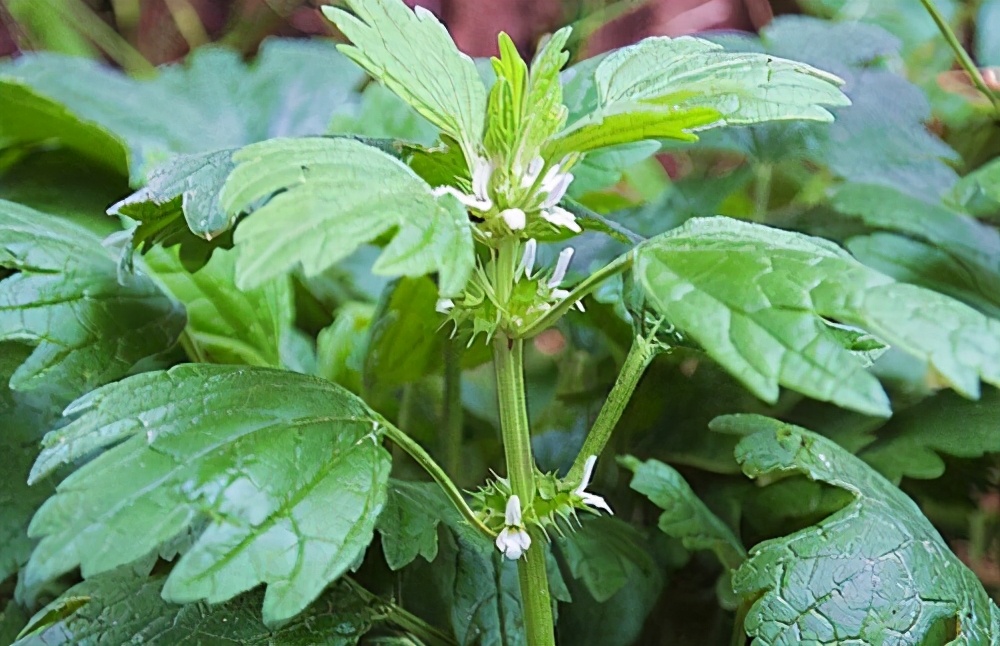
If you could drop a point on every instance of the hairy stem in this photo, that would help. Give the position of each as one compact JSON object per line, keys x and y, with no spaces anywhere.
{"x":963,"y":56}
{"x":421,"y":457}
{"x":616,"y":266}
{"x":509,"y":364}
{"x":640,"y":355}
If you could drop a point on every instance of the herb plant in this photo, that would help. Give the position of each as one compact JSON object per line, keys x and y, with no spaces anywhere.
{"x":236,"y":431}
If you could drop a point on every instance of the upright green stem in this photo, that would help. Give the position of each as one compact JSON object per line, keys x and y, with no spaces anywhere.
{"x":452,"y":437}
{"x":640,"y":354}
{"x":508,"y":361}
{"x":963,"y":56}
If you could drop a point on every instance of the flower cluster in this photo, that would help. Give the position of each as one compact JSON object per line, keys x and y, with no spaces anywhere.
{"x":554,"y":507}
{"x":518,"y":202}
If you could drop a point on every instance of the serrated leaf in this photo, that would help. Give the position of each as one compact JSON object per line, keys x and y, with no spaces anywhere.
{"x":874,"y":569}
{"x":663,"y":88}
{"x":605,"y":554}
{"x":66,"y":300}
{"x":685,"y":516}
{"x":122,"y":608}
{"x":324,"y":198}
{"x":408,"y":524}
{"x":248,"y":459}
{"x":213,"y":101}
{"x":225,"y":324}
{"x":756,"y":298}
{"x":413,"y":55}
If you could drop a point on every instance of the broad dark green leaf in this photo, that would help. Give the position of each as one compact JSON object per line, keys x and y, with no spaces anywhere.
{"x":910,"y":443}
{"x":756,"y":299}
{"x":412,"y":54}
{"x":408,"y":524}
{"x":685,"y":516}
{"x":66,"y":300}
{"x":211,"y":102}
{"x":874,"y":569}
{"x":605,"y":554}
{"x":226,"y":325}
{"x":406,"y":341}
{"x":663,"y":88}
{"x":122,"y":608}
{"x":280,"y":477}
{"x":31,"y":119}
{"x":333,"y":195}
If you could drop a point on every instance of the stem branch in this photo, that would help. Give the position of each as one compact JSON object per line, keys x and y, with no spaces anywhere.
{"x":640,"y":355}
{"x":417,"y":452}
{"x":963,"y":56}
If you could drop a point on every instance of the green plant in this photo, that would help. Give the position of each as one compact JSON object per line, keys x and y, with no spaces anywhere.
{"x":232,"y":419}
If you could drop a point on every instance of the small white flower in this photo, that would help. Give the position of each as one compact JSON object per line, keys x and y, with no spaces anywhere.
{"x":513,"y":540}
{"x":514,"y":218}
{"x":528,"y":259}
{"x":560,"y":217}
{"x":480,"y":200}
{"x":558,"y":190}
{"x":534,"y":170}
{"x":562,"y":264}
{"x":589,"y":498}
{"x":468,"y":201}
{"x":444,"y":305}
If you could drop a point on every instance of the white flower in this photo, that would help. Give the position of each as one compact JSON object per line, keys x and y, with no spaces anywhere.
{"x":562,"y":264}
{"x":444,"y":305}
{"x":554,"y":186}
{"x":589,"y":498}
{"x":514,"y":218}
{"x":513,"y":540}
{"x":534,"y":170}
{"x":560,"y":217}
{"x":528,"y":259}
{"x":480,"y":200}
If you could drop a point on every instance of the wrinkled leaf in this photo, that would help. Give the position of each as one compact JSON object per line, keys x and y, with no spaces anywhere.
{"x":332,"y":197}
{"x":247,"y":459}
{"x":756,"y":299}
{"x":121,"y":608}
{"x":408,"y":524}
{"x":65,"y":299}
{"x":874,"y":569}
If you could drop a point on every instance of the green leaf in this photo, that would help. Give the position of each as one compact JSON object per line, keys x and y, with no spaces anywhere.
{"x":979,"y":191}
{"x":226,"y":325}
{"x":667,"y":87}
{"x":685,"y":516}
{"x":332,"y":197}
{"x":910,"y":443}
{"x":408,"y":524}
{"x":213,"y":101}
{"x":246,"y":459}
{"x":341,"y":347}
{"x":876,"y":568}
{"x":406,"y":342}
{"x":756,"y":299}
{"x":31,"y":118}
{"x":122,"y":608}
{"x":964,"y":255}
{"x":383,"y":114}
{"x":411,"y":53}
{"x":66,"y":300}
{"x":605,"y":554}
